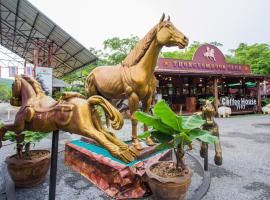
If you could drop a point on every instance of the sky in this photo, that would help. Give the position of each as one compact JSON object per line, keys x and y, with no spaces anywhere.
{"x":229,"y":22}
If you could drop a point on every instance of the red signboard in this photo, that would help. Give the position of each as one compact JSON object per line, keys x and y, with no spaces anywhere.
{"x":207,"y":59}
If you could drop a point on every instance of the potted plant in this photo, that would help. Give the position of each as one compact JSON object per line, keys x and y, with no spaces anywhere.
{"x":168,"y":179}
{"x":27,"y":167}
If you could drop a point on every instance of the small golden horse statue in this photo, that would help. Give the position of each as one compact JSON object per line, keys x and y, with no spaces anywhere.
{"x":72,"y":113}
{"x":134,"y":78}
{"x":208,"y":113}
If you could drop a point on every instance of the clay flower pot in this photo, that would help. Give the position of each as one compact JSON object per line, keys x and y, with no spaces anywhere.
{"x":29,"y":173}
{"x":168,"y":188}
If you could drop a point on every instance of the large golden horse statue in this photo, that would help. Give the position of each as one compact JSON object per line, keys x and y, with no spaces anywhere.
{"x":134,"y":78}
{"x":72,"y":113}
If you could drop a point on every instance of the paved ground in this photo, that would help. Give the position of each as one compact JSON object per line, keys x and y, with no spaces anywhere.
{"x":245,"y":173}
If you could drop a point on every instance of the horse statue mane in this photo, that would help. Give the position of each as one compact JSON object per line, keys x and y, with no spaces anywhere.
{"x":35,"y":84}
{"x":140,"y":48}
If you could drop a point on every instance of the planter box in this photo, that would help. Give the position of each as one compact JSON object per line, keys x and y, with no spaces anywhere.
{"x":116,"y":178}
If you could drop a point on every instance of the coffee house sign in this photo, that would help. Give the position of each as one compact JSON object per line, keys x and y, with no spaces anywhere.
{"x":238,"y":103}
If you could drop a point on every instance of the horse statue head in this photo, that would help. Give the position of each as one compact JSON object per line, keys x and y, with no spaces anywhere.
{"x":24,"y":88}
{"x":163,"y":34}
{"x":168,"y":35}
{"x":208,"y":112}
{"x":16,"y":99}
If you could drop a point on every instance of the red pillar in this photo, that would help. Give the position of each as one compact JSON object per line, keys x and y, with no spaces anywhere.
{"x":259,"y":97}
{"x":215,"y":86}
{"x":49,"y":61}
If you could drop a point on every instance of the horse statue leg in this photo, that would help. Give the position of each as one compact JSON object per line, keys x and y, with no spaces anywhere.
{"x":110,"y":136}
{"x":126,"y":155}
{"x":133,"y":102}
{"x":218,"y":151}
{"x":146,"y":107}
{"x":17,"y":128}
{"x":203,"y":150}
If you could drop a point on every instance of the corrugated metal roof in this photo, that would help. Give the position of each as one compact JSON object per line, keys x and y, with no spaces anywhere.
{"x":23,"y":27}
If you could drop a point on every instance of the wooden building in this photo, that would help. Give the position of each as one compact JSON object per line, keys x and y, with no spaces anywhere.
{"x":183,"y":83}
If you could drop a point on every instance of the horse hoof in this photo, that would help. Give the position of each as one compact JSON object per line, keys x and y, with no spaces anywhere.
{"x":134,"y":152}
{"x":127,"y":156}
{"x":218,"y":160}
{"x":149,"y":142}
{"x":136,"y":143}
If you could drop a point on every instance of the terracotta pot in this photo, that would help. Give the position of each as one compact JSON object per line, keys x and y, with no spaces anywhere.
{"x":168,"y":188}
{"x":28,"y":173}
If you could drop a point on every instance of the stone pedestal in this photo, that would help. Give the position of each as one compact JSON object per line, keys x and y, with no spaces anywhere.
{"x":116,"y":178}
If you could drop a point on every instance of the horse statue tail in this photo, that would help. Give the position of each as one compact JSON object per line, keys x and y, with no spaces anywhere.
{"x":109,"y":110}
{"x":90,"y":86}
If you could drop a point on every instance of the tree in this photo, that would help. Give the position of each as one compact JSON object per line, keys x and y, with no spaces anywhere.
{"x":255,"y":55}
{"x":117,"y":49}
{"x":114,"y":52}
{"x":5,"y":93}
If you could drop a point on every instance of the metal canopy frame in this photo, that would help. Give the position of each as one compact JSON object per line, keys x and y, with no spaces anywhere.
{"x":24,"y":28}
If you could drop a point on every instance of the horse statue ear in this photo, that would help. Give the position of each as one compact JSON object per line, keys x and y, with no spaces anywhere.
{"x":16,"y":77}
{"x":162,"y":18}
{"x":168,"y":18}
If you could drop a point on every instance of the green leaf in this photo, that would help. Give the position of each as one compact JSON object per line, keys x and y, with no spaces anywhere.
{"x":194,"y":133}
{"x":10,"y":136}
{"x":164,"y":146}
{"x":161,"y":138}
{"x":152,"y":121}
{"x":202,"y":135}
{"x":182,"y":138}
{"x":177,"y":140}
{"x":186,"y":138}
{"x":146,"y":134}
{"x":192,"y":122}
{"x":167,"y":116}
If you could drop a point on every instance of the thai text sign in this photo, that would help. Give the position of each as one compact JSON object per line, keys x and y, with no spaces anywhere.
{"x":191,"y":66}
{"x":238,"y":103}
{"x":207,"y":59}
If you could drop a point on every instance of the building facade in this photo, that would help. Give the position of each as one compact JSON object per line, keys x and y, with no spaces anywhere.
{"x":185,"y":83}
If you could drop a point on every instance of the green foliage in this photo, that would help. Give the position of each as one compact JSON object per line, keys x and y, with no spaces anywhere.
{"x":172,"y":130}
{"x":80,"y":90}
{"x":118,"y":48}
{"x":255,"y":55}
{"x":114,"y":52}
{"x":265,"y":102}
{"x":29,"y":137}
{"x":5,"y":93}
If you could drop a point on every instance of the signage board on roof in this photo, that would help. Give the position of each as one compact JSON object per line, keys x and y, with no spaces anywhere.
{"x":207,"y":59}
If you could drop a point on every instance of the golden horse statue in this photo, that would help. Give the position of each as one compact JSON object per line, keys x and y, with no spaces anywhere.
{"x":134,"y":78}
{"x":72,"y":113}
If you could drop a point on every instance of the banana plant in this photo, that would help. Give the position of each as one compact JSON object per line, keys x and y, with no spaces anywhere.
{"x":173,"y":131}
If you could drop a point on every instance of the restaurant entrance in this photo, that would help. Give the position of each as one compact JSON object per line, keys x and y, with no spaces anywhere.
{"x":184,"y":84}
